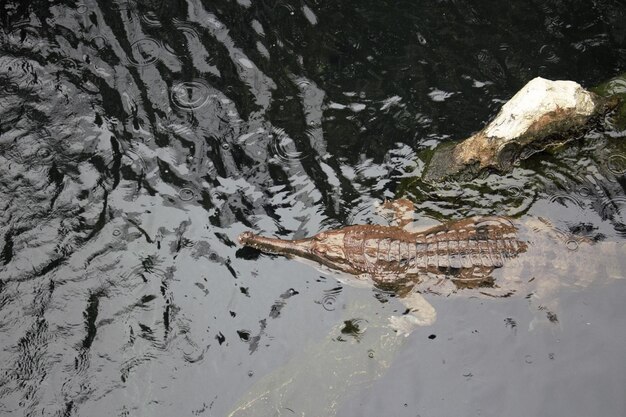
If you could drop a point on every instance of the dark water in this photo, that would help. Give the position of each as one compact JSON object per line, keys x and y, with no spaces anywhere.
{"x":139,"y":138}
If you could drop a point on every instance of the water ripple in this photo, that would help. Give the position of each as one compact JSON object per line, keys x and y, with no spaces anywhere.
{"x":144,"y":52}
{"x":284,"y":148}
{"x":616,"y":164}
{"x":329,"y":299}
{"x":190,"y":95}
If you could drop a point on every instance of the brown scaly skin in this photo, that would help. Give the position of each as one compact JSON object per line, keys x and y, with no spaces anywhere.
{"x":467,"y":250}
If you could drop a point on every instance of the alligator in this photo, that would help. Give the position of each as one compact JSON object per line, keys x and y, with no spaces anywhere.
{"x":481,"y":256}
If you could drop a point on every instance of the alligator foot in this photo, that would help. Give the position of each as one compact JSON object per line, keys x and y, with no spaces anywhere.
{"x":421,"y":314}
{"x":402,"y":211}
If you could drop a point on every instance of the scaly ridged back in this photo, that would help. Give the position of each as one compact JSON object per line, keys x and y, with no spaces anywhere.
{"x":484,"y":243}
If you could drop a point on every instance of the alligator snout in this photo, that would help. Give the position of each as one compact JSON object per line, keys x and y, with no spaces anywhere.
{"x":275,"y":245}
{"x":245,"y":237}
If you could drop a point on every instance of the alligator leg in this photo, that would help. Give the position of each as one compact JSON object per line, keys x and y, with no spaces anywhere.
{"x":402,"y":211}
{"x":421,"y":313}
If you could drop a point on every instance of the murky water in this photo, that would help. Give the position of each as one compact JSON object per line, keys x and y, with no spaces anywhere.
{"x":139,"y":138}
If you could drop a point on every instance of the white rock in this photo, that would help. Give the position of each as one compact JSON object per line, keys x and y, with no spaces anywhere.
{"x":538,"y":97}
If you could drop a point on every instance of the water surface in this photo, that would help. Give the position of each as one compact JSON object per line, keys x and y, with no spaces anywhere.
{"x":139,"y":138}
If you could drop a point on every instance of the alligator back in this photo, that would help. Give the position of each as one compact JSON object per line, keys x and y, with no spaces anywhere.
{"x":467,"y":250}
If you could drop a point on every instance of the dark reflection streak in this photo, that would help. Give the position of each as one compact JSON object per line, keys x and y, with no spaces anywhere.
{"x":166,"y":173}
{"x":7,"y":251}
{"x":111,"y":101}
{"x":56,"y":177}
{"x":51,"y":266}
{"x":181,"y":242}
{"x":230,"y":269}
{"x":116,"y":163}
{"x":98,"y":253}
{"x":225,"y":240}
{"x":241,"y":158}
{"x":166,"y":318}
{"x":214,"y":155}
{"x":150,"y":111}
{"x":143,"y":232}
{"x":69,"y":406}
{"x":91,"y":314}
{"x":621,"y":180}
{"x":206,"y":200}
{"x":101,"y":218}
{"x":146,"y":333}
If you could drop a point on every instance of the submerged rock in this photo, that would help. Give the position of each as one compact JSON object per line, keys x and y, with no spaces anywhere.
{"x":543,"y":113}
{"x":615,"y":90}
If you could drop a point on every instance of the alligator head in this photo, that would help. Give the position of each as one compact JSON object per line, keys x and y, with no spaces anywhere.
{"x":326,"y":248}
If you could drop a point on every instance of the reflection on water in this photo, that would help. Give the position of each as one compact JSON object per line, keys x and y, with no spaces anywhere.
{"x":138,"y":138}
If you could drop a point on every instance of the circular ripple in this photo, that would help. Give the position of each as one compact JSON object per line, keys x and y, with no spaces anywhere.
{"x":42,"y":158}
{"x":144,"y":52}
{"x":43,"y":152}
{"x":303,"y":83}
{"x":81,"y":9}
{"x":186,"y":194}
{"x":190,"y":95}
{"x":614,"y":209}
{"x":515,"y":191}
{"x":98,"y":42}
{"x":585,"y":191}
{"x":549,"y":55}
{"x":116,"y":232}
{"x":11,"y":88}
{"x":150,"y":18}
{"x":328,"y":302}
{"x":179,"y":45}
{"x":616,"y":164}
{"x":67,"y":64}
{"x":563,"y":198}
{"x":284,"y":148}
{"x":571,"y":244}
{"x":138,"y":164}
